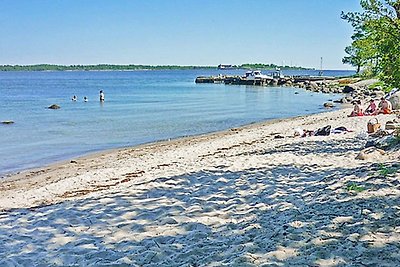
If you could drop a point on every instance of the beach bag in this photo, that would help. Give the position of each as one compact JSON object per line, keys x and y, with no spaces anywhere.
{"x":324,"y":131}
{"x":373,"y":125}
{"x":390,"y":125}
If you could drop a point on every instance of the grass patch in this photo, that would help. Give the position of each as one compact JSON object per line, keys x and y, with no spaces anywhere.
{"x":385,"y":171}
{"x":376,"y":84}
{"x":355,"y":187}
{"x":384,"y":87}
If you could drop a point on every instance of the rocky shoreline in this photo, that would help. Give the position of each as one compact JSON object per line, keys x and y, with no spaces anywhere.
{"x":352,"y":88}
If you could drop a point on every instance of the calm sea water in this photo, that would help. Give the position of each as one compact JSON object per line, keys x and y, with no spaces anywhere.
{"x":140,"y":107}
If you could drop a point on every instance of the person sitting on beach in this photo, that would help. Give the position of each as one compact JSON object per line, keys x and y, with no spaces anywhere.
{"x":357,"y":111}
{"x":74,"y":98}
{"x":385,"y":107}
{"x":371,"y":109}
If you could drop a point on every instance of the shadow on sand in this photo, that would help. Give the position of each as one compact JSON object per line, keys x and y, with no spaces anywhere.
{"x":272,"y":216}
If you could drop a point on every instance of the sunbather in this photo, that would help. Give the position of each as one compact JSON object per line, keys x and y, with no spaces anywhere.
{"x":385,"y":107}
{"x":371,"y":108}
{"x":357,"y":111}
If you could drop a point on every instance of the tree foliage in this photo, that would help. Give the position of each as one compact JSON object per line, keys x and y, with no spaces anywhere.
{"x":268,"y":66}
{"x":376,"y":39}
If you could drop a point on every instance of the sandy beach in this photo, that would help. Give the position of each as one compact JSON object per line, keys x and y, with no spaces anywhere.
{"x":252,"y":196}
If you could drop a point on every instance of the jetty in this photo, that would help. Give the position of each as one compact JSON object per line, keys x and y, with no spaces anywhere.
{"x":255,"y":78}
{"x":261,"y":80}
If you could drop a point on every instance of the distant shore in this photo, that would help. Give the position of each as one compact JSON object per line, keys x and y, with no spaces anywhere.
{"x":113,"y":67}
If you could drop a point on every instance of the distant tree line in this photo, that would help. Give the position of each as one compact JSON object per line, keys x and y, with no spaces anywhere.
{"x":110,"y":67}
{"x":269,"y":67}
{"x":375,"y":47}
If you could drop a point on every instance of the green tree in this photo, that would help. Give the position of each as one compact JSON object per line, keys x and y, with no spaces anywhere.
{"x":376,"y":41}
{"x":353,"y":57}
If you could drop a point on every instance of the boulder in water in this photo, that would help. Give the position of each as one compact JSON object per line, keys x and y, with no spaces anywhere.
{"x":54,"y":106}
{"x":328,"y":105}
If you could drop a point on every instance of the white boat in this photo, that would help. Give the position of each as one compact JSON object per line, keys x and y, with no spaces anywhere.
{"x":256,"y":75}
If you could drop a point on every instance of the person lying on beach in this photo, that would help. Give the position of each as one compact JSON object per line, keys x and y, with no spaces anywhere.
{"x":357,"y":111}
{"x":371,"y":109}
{"x":385,"y":107}
{"x":324,"y":131}
{"x":303,"y":133}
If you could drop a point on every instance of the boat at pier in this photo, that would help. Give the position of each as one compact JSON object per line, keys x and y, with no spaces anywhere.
{"x":256,"y":75}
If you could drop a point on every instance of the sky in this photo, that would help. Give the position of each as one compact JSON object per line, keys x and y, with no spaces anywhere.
{"x":175,"y":32}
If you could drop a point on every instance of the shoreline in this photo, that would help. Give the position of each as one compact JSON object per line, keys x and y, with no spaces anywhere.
{"x":7,"y":175}
{"x":74,"y":166}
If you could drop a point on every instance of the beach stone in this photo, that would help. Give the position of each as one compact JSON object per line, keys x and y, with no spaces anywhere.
{"x":395,"y":100}
{"x":370,"y":153}
{"x":377,"y":94}
{"x":337,"y":89}
{"x":328,"y":105}
{"x":314,"y":85}
{"x":340,"y":101}
{"x":349,"y":98}
{"x":366,"y":92}
{"x":54,"y":106}
{"x":350,"y":88}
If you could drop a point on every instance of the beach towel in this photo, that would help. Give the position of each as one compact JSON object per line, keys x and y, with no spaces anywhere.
{"x":340,"y":130}
{"x":324,"y":131}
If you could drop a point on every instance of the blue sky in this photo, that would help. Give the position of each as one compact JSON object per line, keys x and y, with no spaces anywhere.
{"x":179,"y":32}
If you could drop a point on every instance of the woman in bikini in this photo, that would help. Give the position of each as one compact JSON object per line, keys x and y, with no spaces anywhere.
{"x":357,"y":111}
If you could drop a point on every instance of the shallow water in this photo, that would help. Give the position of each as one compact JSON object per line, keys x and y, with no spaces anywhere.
{"x":140,"y":107}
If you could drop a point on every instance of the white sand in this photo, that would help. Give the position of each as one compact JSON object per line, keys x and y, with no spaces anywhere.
{"x":236,"y":198}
